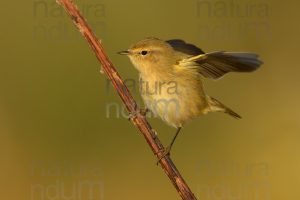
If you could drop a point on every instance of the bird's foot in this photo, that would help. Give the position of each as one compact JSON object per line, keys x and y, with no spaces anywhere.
{"x":140,"y":112}
{"x":144,"y":111}
{"x":163,"y":153}
{"x":155,"y":134}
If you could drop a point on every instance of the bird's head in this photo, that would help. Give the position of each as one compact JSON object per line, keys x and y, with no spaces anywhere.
{"x":151,"y":55}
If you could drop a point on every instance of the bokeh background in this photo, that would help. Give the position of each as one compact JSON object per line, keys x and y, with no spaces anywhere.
{"x":63,"y":134}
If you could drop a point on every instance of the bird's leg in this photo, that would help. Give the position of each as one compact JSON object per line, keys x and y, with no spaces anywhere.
{"x":142,"y":112}
{"x":167,"y":150}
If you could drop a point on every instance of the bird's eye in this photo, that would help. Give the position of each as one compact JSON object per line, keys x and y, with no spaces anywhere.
{"x":144,"y":53}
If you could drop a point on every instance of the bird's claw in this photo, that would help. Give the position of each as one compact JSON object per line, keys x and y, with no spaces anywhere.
{"x":165,"y":152}
{"x":140,"y":112}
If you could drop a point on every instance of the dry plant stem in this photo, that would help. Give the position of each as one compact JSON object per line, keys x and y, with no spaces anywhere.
{"x":139,"y":121}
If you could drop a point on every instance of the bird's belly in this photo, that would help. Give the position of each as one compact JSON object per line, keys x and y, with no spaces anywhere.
{"x":175,"y":104}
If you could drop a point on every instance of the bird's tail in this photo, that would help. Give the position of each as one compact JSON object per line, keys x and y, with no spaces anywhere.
{"x":217,"y":106}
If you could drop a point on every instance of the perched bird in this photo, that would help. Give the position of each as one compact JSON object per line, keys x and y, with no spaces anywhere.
{"x":171,"y":74}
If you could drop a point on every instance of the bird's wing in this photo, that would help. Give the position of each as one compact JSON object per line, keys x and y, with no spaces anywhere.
{"x":183,"y":47}
{"x":216,"y":64}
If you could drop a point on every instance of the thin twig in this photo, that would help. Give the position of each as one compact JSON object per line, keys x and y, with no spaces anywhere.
{"x":138,"y":120}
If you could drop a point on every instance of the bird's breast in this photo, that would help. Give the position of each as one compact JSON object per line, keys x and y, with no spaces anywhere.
{"x":175,"y":99}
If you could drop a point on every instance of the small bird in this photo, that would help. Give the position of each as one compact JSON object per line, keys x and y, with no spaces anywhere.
{"x":171,"y":74}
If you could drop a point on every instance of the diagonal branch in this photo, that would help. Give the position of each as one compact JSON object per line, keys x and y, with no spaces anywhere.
{"x":138,"y":120}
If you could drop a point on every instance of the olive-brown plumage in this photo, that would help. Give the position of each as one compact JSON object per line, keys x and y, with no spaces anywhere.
{"x":171,"y":74}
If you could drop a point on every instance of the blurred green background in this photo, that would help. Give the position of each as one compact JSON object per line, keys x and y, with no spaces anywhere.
{"x":59,"y":140}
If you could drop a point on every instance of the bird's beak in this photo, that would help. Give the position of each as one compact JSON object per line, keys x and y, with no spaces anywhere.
{"x":124,"y":52}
